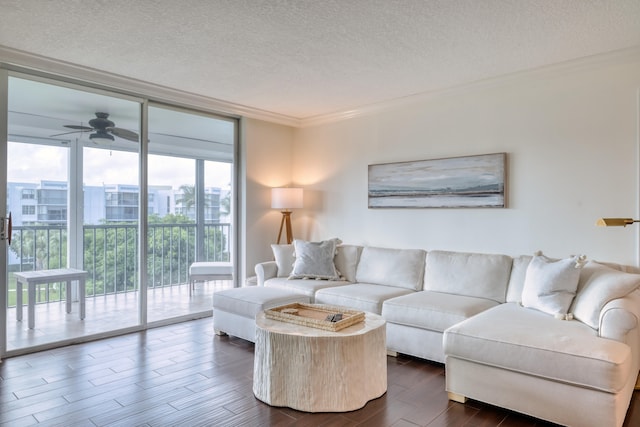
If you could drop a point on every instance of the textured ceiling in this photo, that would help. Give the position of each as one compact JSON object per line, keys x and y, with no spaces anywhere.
{"x":304,"y":59}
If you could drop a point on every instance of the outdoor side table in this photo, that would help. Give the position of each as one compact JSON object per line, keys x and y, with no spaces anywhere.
{"x":33,"y":278}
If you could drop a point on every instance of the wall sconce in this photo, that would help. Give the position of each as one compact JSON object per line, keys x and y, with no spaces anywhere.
{"x":285,"y":199}
{"x":615,"y":222}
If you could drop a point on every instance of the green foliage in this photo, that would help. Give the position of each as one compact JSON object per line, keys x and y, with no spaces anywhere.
{"x":171,"y":248}
{"x":110,"y":258}
{"x":110,"y":251}
{"x":169,"y":219}
{"x":40,"y":247}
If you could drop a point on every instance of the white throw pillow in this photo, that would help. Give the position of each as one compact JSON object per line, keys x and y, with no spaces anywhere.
{"x":550,"y":285}
{"x":598,"y":285}
{"x":284,"y":256}
{"x":314,"y":260}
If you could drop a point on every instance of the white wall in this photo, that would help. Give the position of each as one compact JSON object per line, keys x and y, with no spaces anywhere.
{"x":571,"y":137}
{"x":267,"y":154}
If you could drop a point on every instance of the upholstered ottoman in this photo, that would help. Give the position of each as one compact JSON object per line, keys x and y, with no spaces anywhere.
{"x":234,"y":310}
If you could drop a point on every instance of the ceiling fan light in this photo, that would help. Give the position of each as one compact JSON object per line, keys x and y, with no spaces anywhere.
{"x":101,"y":138}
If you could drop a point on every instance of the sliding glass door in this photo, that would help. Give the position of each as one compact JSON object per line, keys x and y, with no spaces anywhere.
{"x":127,"y":191}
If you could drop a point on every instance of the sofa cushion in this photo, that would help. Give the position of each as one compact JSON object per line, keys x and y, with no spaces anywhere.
{"x":516,"y":279}
{"x":475,"y":275}
{"x":307,"y":287}
{"x":314,"y":260}
{"x":284,"y":256}
{"x":360,"y":296}
{"x":434,"y":311}
{"x":550,"y":285}
{"x":516,"y":338}
{"x":402,"y":268}
{"x":598,"y":285}
{"x":346,"y":261}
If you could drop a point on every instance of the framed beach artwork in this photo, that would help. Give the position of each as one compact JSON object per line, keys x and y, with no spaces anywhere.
{"x":456,"y":182}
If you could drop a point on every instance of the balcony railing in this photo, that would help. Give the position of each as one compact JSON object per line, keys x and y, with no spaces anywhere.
{"x":110,"y":255}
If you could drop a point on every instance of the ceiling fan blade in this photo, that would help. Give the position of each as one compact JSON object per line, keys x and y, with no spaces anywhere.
{"x":124,"y":134}
{"x":78,"y":127}
{"x":67,"y":133}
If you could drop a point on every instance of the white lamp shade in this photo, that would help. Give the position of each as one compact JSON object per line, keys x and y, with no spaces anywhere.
{"x":286,"y":198}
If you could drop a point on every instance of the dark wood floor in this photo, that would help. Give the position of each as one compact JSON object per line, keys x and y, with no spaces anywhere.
{"x":185,"y":375}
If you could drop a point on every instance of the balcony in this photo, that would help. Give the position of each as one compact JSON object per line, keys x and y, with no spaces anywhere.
{"x":112,"y":288}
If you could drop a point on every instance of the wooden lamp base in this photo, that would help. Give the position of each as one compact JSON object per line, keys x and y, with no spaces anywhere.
{"x":286,"y":222}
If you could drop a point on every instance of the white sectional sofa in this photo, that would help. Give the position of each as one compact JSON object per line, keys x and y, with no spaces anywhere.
{"x":466,"y":310}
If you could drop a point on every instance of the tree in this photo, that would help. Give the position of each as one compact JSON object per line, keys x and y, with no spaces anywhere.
{"x":225,"y":205}
{"x":188,"y":196}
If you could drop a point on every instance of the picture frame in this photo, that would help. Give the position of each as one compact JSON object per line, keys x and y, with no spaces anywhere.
{"x":477,"y":181}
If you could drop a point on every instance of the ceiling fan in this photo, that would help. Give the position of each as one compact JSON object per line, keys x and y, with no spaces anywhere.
{"x":104,"y":129}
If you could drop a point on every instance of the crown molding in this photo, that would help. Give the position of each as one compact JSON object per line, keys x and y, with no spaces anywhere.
{"x":16,"y":60}
{"x":594,"y":61}
{"x":21,"y":61}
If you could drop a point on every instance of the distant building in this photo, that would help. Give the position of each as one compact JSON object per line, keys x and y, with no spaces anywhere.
{"x":46,"y":203}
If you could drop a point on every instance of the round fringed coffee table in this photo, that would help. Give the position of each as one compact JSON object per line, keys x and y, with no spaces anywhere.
{"x":314,"y":370}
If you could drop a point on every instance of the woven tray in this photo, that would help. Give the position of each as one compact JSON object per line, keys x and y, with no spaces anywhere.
{"x":314,"y":315}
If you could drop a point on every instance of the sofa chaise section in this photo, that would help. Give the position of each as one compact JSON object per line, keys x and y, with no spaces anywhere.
{"x":562,"y":371}
{"x":235,"y":309}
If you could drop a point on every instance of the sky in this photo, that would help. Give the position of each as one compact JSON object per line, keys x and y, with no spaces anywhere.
{"x":33,"y":163}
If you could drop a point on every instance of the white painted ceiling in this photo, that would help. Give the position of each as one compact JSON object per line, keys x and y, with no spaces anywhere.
{"x":304,"y":59}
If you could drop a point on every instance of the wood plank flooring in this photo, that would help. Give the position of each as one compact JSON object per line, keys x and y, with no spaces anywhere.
{"x":184,"y":375}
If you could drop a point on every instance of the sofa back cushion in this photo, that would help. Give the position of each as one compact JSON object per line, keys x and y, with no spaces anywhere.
{"x":471,"y":274}
{"x":402,"y":268}
{"x":346,"y":261}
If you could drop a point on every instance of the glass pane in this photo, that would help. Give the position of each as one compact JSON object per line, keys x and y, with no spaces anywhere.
{"x":72,"y":190}
{"x":38,"y":204}
{"x":217,"y":181}
{"x":171,"y":232}
{"x":189,"y":168}
{"x":110,"y":229}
